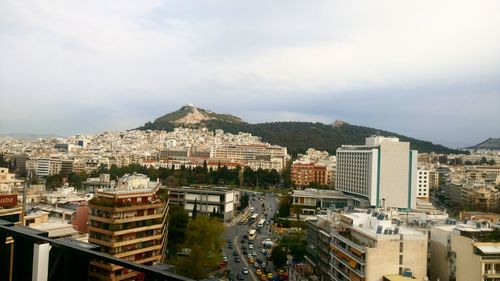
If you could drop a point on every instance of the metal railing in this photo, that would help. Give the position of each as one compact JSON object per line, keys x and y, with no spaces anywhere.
{"x":68,"y":259}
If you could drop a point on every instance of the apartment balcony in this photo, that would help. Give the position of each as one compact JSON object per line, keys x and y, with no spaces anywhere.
{"x":348,"y":252}
{"x":492,"y":273}
{"x":113,"y":206}
{"x":361,"y":248}
{"x":125,"y":231}
{"x":349,"y":265}
{"x":344,"y":272}
{"x":125,"y":220}
{"x":114,"y":244}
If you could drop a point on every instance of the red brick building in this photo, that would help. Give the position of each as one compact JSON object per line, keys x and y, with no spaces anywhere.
{"x":305,"y":173}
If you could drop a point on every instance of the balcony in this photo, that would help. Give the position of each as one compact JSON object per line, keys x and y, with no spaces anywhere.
{"x":345,"y":263}
{"x":347,"y":239}
{"x":346,"y":251}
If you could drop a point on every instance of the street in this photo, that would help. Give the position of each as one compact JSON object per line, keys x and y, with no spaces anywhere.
{"x":237,"y":233}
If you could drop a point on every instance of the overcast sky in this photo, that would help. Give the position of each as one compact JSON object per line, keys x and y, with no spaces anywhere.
{"x":426,"y":69}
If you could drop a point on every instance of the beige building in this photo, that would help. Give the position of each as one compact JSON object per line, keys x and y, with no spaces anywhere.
{"x":128,"y":222}
{"x":8,"y":181}
{"x":423,"y":184}
{"x":464,"y":252}
{"x":384,"y":171}
{"x":365,"y":247}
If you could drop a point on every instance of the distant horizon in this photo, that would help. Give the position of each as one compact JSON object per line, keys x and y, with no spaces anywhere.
{"x":49,"y":134}
{"x":425,"y":69}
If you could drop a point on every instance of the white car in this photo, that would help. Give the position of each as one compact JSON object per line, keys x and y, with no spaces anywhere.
{"x":250,"y":246}
{"x":245,"y":270}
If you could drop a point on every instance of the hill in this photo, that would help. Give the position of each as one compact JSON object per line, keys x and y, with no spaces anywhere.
{"x":296,"y":136}
{"x":491,"y":143}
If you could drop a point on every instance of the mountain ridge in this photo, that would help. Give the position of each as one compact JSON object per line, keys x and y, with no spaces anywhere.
{"x":490,"y":143}
{"x":296,"y":136}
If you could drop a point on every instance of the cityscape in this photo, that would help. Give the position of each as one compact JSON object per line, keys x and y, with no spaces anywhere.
{"x":252,"y":141}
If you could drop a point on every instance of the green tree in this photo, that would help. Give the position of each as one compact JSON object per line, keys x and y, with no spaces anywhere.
{"x":484,"y":160}
{"x":244,"y":201}
{"x":492,"y":162}
{"x":195,"y":209}
{"x":278,"y":256}
{"x":284,"y":206}
{"x":177,"y":223}
{"x":54,"y":181}
{"x":204,"y":238}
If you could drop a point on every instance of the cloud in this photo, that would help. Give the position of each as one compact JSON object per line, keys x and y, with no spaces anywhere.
{"x":71,"y":66}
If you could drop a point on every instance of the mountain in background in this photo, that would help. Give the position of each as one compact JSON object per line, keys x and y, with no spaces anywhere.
{"x":296,"y":136}
{"x":491,"y":144}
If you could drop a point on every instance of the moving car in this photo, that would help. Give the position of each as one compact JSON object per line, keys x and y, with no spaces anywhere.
{"x":244,"y":270}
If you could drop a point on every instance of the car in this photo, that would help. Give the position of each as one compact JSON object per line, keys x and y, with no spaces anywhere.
{"x":256,"y":265}
{"x":251,"y":261}
{"x":269,"y":276}
{"x":245,"y":252}
{"x":257,"y":260}
{"x":249,"y":256}
{"x":243,"y":247}
{"x":254,"y":254}
{"x":263,"y":250}
{"x":258,"y":271}
{"x":235,"y":253}
{"x":264,"y":264}
{"x":244,"y":270}
{"x":229,"y":246}
{"x":224,"y":258}
{"x":263,"y":277}
{"x":240,"y":276}
{"x":245,"y":236}
{"x":237,"y":259}
{"x":250,"y":246}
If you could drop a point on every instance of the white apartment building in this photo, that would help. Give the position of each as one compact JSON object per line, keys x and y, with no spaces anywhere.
{"x":384,"y":171}
{"x":219,"y":199}
{"x":364,"y":247}
{"x":43,"y":167}
{"x":423,"y":184}
{"x":464,"y":252}
{"x":255,"y":155}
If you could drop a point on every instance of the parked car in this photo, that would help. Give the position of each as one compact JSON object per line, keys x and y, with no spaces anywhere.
{"x":240,"y":276}
{"x":250,"y":246}
{"x":237,"y":259}
{"x":244,"y":270}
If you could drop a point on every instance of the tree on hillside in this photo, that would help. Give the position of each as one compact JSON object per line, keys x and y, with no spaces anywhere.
{"x":204,"y":237}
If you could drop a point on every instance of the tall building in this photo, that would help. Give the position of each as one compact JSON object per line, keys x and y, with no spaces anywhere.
{"x":384,"y":171}
{"x":423,"y":184}
{"x":128,"y":222}
{"x":466,"y":251}
{"x":364,"y":247}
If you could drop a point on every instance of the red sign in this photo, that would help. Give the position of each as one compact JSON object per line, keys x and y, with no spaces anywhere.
{"x":8,"y":200}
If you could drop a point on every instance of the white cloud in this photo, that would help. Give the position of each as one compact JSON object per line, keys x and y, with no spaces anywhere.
{"x":78,"y":56}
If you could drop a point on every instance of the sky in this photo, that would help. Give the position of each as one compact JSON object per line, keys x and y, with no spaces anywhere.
{"x":425,"y":69}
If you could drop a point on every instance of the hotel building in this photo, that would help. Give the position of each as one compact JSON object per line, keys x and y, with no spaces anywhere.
{"x":384,"y":171}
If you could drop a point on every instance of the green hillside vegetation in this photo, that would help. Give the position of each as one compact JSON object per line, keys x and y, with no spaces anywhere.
{"x":296,"y":136}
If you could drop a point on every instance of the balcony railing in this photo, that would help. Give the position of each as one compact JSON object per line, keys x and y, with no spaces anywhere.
{"x":65,"y":259}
